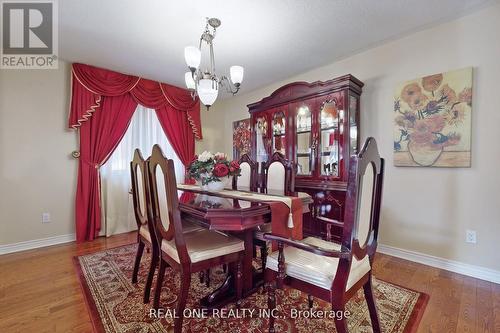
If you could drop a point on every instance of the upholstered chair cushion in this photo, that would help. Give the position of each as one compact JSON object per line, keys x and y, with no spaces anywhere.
{"x":141,"y":192}
{"x":276,"y":177}
{"x":162,"y":199}
{"x":190,"y":227}
{"x":315,"y":269}
{"x":204,"y":244}
{"x":243,"y":181}
{"x":186,"y":228}
{"x":365,"y":207}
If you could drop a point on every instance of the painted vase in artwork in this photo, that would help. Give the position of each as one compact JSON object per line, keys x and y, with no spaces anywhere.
{"x":424,"y":155}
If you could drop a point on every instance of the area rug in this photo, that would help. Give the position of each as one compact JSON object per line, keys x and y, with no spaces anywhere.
{"x":115,"y":304}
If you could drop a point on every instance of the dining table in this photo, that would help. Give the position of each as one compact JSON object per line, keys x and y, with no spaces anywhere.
{"x":238,"y":213}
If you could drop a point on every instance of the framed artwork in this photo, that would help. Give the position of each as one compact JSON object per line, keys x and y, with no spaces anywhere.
{"x":241,"y":138}
{"x":432,"y":120}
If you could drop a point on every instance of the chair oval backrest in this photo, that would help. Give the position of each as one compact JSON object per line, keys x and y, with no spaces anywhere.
{"x":276,"y":177}
{"x":279,"y":175}
{"x":139,"y":188}
{"x":243,"y":181}
{"x":363,"y":201}
{"x":365,"y":206}
{"x":141,"y":191}
{"x":165,"y":203}
{"x":163,"y":206}
{"x":248,"y":177}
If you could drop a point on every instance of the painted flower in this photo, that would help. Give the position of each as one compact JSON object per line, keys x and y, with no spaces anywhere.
{"x":220,"y":170}
{"x":466,"y":96}
{"x":449,"y":94}
{"x":205,"y":156}
{"x":456,"y":115}
{"x":423,"y":133}
{"x":409,"y":92}
{"x":432,"y":82}
{"x":406,"y":120}
{"x":418,"y":102}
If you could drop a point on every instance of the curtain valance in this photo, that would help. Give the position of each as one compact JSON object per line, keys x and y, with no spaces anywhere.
{"x":90,"y":84}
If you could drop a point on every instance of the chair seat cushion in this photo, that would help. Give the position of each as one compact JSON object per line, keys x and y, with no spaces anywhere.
{"x":204,"y":244}
{"x":188,"y":226}
{"x":315,"y":269}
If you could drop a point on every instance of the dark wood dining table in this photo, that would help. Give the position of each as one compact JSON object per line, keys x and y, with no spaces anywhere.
{"x":239,"y":217}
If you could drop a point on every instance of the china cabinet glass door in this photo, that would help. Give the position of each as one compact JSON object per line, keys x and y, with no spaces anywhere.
{"x":279,"y":131}
{"x":353,"y":124}
{"x":304,"y":152}
{"x":261,"y":139}
{"x":329,"y":148}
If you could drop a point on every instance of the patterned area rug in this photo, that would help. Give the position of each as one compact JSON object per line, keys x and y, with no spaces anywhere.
{"x":115,"y":304}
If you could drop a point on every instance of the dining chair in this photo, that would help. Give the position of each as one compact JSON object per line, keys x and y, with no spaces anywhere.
{"x":279,"y":178}
{"x":248,"y":176}
{"x":145,"y":229}
{"x":331,"y":271}
{"x":185,"y":252}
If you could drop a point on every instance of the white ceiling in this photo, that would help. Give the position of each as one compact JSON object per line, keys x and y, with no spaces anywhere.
{"x":271,"y":39}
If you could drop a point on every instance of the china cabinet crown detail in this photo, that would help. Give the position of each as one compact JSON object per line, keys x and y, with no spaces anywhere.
{"x":316,"y":126}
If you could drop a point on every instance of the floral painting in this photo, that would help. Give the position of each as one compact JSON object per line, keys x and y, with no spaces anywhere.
{"x":241,"y":138}
{"x":432,"y":118}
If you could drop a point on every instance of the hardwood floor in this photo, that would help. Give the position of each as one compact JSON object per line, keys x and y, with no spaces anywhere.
{"x":40,"y":292}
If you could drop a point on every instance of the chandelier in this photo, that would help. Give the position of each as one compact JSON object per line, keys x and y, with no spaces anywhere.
{"x":205,"y":83}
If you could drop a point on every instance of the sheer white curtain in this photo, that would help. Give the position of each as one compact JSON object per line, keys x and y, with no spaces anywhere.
{"x":143,"y":132}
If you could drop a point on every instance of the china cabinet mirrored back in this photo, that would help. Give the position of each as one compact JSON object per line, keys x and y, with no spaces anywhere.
{"x":315,"y":125}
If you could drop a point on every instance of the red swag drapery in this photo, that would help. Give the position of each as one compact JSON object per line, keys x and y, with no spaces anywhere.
{"x":102,"y":105}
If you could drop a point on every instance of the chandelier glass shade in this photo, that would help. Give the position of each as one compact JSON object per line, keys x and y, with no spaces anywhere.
{"x":208,"y":90}
{"x":205,"y":84}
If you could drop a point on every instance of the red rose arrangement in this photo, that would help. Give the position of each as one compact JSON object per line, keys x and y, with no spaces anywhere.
{"x":208,"y":167}
{"x":220,"y":170}
{"x":233,"y":166}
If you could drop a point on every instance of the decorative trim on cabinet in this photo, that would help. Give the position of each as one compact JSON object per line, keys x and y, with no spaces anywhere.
{"x":297,"y":91}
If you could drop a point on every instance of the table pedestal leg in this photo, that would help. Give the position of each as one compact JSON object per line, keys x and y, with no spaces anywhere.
{"x":226,"y":293}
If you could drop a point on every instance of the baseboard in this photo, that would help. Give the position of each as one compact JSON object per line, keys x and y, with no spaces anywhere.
{"x":36,"y":243}
{"x":478,"y":272}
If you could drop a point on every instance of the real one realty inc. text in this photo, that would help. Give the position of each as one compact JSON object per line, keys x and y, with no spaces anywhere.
{"x":229,"y":313}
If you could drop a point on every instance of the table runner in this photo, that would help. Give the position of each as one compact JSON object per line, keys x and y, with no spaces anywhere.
{"x":294,"y":203}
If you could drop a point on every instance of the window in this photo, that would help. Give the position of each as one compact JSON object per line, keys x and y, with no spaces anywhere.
{"x":143,"y":132}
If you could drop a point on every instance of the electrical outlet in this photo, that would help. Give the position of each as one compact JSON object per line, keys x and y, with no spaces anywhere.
{"x":45,"y":217}
{"x":470,"y":236}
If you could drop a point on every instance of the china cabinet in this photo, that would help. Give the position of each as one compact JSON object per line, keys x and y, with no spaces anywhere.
{"x":314,"y":125}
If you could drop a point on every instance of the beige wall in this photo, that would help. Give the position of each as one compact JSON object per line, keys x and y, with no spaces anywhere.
{"x":37,"y":172}
{"x":425,"y":209}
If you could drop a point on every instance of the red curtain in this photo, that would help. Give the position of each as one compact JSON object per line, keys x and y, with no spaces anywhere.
{"x":180,"y":137}
{"x":91,"y":83}
{"x":98,"y":139}
{"x":102,"y":105}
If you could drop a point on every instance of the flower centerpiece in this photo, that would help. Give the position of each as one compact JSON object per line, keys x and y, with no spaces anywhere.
{"x":213,"y":171}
